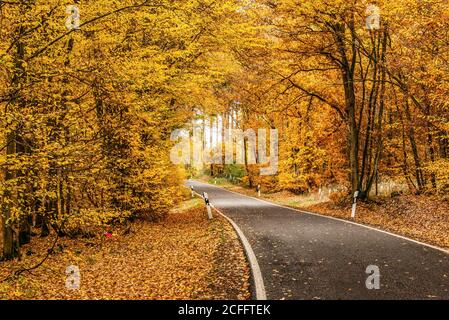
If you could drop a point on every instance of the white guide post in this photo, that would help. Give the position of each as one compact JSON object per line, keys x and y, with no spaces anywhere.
{"x":209,"y":210}
{"x":354,"y":205}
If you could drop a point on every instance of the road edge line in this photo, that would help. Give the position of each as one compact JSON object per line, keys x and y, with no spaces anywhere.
{"x":335,"y":218}
{"x":256,"y":273}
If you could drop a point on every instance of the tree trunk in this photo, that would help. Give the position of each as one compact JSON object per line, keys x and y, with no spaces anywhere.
{"x":411,"y":135}
{"x":9,"y":250}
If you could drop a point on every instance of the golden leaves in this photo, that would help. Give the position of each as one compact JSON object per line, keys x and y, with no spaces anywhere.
{"x":184,"y":257}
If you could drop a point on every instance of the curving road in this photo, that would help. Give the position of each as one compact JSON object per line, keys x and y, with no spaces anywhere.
{"x":305,"y":256}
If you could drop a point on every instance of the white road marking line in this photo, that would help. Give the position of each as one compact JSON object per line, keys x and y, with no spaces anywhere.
{"x":259,"y":286}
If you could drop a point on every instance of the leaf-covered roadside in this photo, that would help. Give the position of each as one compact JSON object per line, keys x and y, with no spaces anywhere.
{"x":183,"y":257}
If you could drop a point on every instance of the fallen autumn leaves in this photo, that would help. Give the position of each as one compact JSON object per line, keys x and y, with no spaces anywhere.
{"x":183,"y":257}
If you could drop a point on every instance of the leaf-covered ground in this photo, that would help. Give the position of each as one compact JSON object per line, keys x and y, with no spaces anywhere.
{"x":423,"y":218}
{"x":183,"y":257}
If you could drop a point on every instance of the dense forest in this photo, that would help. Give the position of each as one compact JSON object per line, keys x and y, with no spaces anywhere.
{"x":90,"y":95}
{"x":92,"y":91}
{"x":356,"y":90}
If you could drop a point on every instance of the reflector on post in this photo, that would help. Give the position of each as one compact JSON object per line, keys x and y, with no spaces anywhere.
{"x":206,"y":200}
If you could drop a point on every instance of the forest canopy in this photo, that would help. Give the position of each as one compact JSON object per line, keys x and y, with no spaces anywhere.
{"x":91,"y":92}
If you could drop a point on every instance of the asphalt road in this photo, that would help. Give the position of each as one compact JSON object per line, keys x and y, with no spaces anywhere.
{"x":304,"y":256}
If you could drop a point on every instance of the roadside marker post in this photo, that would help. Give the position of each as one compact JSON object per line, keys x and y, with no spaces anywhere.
{"x":209,"y":210}
{"x":258,"y":190}
{"x":193,"y":192}
{"x":354,"y":205}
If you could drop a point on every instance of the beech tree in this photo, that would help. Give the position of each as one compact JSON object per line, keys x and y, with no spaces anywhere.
{"x":90,"y":93}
